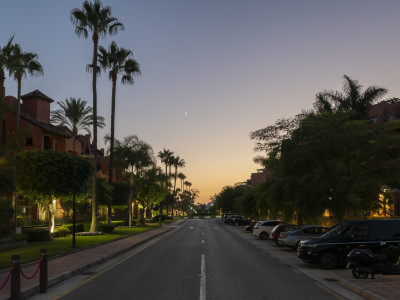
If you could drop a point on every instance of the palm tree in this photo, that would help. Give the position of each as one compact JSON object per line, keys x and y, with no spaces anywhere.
{"x":182,"y":177}
{"x":166,"y":158}
{"x":352,"y":98}
{"x":133,"y":155}
{"x":76,"y":115}
{"x":96,"y":19}
{"x":116,"y":61}
{"x":177,"y":163}
{"x":20,"y":64}
{"x":5,"y":52}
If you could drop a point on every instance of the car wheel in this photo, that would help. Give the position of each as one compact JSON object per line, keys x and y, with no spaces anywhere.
{"x":328,"y":260}
{"x":264,"y":236}
{"x":359,"y":275}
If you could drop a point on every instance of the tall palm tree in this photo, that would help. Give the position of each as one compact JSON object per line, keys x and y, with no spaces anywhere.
{"x":96,"y":19}
{"x":20,"y":64}
{"x":166,"y":158}
{"x":5,"y":53}
{"x":182,"y":177}
{"x":116,"y":61}
{"x":352,"y":98}
{"x":76,"y":115}
{"x":177,"y":163}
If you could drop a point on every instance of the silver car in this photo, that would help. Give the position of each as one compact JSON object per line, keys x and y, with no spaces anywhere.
{"x":293,"y":238}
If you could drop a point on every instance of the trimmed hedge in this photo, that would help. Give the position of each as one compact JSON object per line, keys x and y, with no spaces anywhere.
{"x":37,"y":234}
{"x":106,"y":228}
{"x":80,"y":227}
{"x":61,"y":231}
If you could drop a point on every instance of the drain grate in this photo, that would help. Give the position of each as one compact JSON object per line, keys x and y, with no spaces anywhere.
{"x":331,"y":279}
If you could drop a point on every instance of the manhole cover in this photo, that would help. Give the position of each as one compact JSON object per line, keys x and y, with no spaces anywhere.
{"x":331,"y":279}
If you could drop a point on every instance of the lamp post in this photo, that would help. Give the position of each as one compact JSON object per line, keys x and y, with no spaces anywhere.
{"x":74,"y":192}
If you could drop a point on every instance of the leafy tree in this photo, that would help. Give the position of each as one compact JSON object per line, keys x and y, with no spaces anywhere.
{"x":117,"y":61}
{"x":76,"y":115}
{"x":351,"y":99}
{"x":48,"y":175}
{"x":331,"y":162}
{"x":227,"y":197}
{"x":7,"y":174}
{"x":96,"y":19}
{"x":20,"y":64}
{"x":133,"y":155}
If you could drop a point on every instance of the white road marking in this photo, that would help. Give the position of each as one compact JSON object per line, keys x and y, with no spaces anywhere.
{"x":203,"y":278}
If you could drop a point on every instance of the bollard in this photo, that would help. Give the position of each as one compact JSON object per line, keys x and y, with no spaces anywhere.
{"x":16,"y":277}
{"x":43,"y":271}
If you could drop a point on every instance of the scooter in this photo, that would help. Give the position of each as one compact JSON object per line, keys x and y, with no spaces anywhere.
{"x":363,"y":262}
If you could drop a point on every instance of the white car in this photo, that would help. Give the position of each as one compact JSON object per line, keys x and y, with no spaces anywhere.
{"x":263,"y":229}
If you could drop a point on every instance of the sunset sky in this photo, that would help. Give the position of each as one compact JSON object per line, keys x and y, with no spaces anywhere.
{"x":212,"y":70}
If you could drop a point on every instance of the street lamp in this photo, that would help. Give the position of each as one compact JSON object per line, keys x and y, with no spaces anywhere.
{"x":74,"y":191}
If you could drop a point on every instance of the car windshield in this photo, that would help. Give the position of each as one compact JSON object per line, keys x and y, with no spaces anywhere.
{"x":335,"y":230}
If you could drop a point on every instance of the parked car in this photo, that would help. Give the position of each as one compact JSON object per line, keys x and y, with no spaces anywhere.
{"x":237,"y":220}
{"x":228,"y":218}
{"x":250,"y":227}
{"x":262,"y":229}
{"x":293,"y":238}
{"x":330,"y":250}
{"x":275,"y":232}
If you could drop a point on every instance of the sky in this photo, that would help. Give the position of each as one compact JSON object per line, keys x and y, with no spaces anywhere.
{"x":213,"y":71}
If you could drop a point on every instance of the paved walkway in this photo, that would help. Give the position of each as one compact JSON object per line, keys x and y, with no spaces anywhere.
{"x":65,"y":266}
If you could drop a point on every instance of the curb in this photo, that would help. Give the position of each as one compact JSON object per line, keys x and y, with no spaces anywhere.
{"x":360,"y":291}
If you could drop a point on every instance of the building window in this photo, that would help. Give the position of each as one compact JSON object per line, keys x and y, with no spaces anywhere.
{"x":373,"y":120}
{"x":29,"y":141}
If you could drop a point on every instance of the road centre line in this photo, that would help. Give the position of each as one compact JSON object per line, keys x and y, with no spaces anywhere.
{"x":203,"y":278}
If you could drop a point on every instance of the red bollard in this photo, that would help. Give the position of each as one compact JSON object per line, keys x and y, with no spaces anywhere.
{"x":16,"y":277}
{"x":43,"y":271}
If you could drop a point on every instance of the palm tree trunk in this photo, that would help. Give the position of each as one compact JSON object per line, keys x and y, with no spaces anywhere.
{"x":130,"y":200}
{"x":110,"y":175}
{"x":2,"y":95}
{"x":93,"y":225}
{"x":18,"y":114}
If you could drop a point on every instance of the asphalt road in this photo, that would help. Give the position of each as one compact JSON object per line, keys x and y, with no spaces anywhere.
{"x":203,"y":259}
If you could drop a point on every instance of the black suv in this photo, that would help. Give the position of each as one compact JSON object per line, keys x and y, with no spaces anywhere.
{"x":330,"y":250}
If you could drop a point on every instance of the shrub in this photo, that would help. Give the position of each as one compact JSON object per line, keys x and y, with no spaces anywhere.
{"x":61,"y":231}
{"x":7,"y":240}
{"x":80,"y":227}
{"x":118,"y":223}
{"x":37,"y":234}
{"x":106,"y":228}
{"x":163,"y":217}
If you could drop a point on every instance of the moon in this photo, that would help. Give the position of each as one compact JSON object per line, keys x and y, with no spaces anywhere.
{"x":185,"y":114}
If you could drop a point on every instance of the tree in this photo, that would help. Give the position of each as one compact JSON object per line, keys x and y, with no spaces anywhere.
{"x":76,"y":115}
{"x":116,"y":61}
{"x":47,"y":175}
{"x":166,"y":157}
{"x":96,"y":19}
{"x":351,"y":99}
{"x":177,"y":162}
{"x":20,"y":64}
{"x":5,"y":52}
{"x":7,"y":174}
{"x":133,"y":155}
{"x":343,"y":164}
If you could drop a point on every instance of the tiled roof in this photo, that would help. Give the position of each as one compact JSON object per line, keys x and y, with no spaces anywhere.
{"x":37,"y":94}
{"x":49,"y":128}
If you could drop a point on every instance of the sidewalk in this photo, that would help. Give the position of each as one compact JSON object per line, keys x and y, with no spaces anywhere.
{"x":65,"y":266}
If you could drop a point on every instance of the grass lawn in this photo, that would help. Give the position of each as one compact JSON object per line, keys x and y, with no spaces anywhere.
{"x":57,"y":246}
